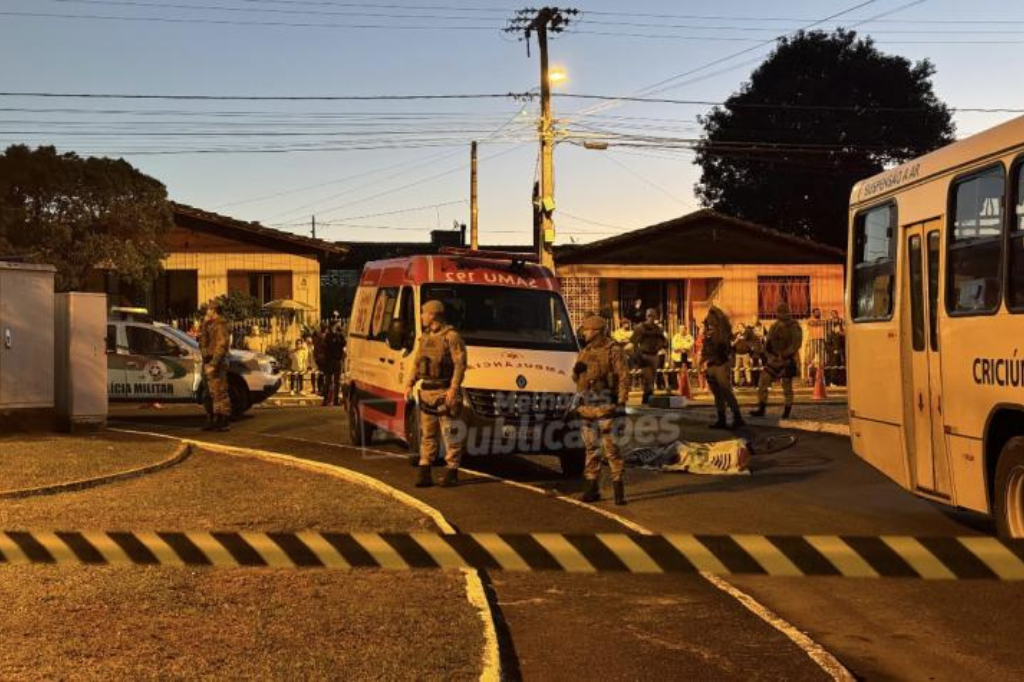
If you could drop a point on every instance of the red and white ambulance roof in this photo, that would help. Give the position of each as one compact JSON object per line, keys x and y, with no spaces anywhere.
{"x":461,"y":266}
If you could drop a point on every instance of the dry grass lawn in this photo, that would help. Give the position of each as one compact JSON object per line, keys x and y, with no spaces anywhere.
{"x":31,"y":461}
{"x":68,"y":622}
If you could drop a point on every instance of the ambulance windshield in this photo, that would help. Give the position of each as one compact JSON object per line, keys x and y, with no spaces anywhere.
{"x":504,"y":316}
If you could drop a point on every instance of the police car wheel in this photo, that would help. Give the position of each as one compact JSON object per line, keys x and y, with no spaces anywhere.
{"x":1008,"y":492}
{"x":238,"y":394}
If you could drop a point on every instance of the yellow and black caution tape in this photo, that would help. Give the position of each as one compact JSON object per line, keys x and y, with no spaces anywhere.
{"x":933,"y":558}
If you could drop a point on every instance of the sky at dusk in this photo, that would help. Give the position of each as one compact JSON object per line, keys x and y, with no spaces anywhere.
{"x":393,"y":170}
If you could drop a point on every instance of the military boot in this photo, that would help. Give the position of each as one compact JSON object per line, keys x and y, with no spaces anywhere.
{"x":759,"y":412}
{"x":592,"y":493}
{"x":620,"y":492}
{"x":423,"y":479}
{"x":737,"y":421}
{"x":220,"y":423}
{"x":720,"y":423}
{"x":208,"y":426}
{"x":451,"y":478}
{"x":786,"y":411}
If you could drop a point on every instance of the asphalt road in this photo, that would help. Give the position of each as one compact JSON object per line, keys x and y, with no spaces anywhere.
{"x":672,"y":627}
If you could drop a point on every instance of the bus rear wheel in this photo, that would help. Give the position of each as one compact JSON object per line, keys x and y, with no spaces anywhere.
{"x":1009,"y":490}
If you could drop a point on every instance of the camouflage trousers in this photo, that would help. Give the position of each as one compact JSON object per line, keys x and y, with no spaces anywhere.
{"x":597,"y":432}
{"x":434,"y":428}
{"x":218,"y":401}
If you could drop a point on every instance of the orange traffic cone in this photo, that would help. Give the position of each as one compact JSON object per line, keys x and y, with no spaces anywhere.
{"x":819,"y":384}
{"x":684,"y":383}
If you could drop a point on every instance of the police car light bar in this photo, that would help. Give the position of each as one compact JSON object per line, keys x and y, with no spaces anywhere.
{"x":495,"y":255}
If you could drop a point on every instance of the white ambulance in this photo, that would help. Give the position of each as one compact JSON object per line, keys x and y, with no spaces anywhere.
{"x":518,"y":390}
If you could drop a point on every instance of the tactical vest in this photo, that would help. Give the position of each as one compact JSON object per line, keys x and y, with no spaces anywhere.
{"x":650,"y":338}
{"x":599,"y":384}
{"x":434,"y":363}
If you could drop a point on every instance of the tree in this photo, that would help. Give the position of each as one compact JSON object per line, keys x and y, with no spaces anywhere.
{"x":80,"y":214}
{"x":820,"y":113}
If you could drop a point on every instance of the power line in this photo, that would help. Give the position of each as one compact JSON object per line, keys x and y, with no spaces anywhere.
{"x":242,"y":22}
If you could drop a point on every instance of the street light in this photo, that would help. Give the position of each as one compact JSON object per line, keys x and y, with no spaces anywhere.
{"x":557,"y":75}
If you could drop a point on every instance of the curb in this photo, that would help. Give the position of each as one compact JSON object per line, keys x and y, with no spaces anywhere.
{"x":808,"y":425}
{"x":180,"y":454}
{"x":476,"y":594}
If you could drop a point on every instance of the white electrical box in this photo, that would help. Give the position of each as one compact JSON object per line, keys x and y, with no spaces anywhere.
{"x":26,"y":336}
{"x":80,"y":360}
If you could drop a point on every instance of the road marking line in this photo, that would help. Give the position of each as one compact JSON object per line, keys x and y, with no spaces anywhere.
{"x":568,"y":557}
{"x":768,"y":555}
{"x":635,"y":558}
{"x":919,"y":558}
{"x":1002,"y":561}
{"x":842,"y":556}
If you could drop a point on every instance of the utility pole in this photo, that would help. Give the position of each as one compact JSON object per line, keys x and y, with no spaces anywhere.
{"x":313,"y":227}
{"x":474,"y":207}
{"x":543,"y":21}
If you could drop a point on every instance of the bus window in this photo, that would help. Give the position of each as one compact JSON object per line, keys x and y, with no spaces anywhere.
{"x":975,"y":242}
{"x":933,"y":289}
{"x":1015,"y":297}
{"x":873,"y":267}
{"x":916,"y":292}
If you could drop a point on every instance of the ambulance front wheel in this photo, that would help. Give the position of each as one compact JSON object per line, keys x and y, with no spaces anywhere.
{"x":360,"y":431}
{"x":1008,"y":492}
{"x":412,"y":433}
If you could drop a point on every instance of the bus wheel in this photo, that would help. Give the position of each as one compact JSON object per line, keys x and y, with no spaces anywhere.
{"x":1009,"y":489}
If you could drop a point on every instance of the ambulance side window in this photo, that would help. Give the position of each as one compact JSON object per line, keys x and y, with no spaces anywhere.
{"x":407,"y":314}
{"x":383,"y":313}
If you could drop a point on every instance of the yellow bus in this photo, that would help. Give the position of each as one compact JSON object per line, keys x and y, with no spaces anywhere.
{"x":935,"y":335}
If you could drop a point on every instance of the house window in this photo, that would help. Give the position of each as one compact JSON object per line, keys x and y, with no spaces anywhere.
{"x":264,"y":286}
{"x":773,"y":290}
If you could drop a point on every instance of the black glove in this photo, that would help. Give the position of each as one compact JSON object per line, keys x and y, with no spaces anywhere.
{"x":579,"y":368}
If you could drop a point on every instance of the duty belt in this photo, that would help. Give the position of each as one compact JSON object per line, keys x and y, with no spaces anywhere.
{"x":435,"y":385}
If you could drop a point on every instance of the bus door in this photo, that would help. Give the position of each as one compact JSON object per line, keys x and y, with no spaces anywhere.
{"x":924,"y":424}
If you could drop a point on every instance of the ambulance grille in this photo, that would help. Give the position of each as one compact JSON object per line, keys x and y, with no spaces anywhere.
{"x":519,"y":404}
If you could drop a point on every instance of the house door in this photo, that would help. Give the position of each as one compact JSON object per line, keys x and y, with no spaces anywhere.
{"x":924,"y":407}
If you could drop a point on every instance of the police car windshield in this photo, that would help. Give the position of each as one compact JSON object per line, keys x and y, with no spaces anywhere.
{"x":505,"y":316}
{"x":181,"y":336}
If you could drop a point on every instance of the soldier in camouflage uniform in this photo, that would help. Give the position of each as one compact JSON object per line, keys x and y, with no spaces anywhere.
{"x":780,"y":358}
{"x":602,"y":382}
{"x":214,"y":345}
{"x":439,"y":364}
{"x":649,"y":340}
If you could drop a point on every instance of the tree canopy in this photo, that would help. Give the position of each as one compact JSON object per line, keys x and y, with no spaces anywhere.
{"x":81,"y":213}
{"x":822,"y":112}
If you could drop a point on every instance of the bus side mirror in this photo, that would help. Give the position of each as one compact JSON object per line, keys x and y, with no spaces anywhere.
{"x":396,"y":335}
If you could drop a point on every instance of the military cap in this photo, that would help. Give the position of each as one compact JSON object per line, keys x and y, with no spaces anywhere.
{"x":434,"y":306}
{"x":595,"y":323}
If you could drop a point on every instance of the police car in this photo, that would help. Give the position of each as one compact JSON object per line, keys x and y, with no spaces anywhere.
{"x":148,"y":361}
